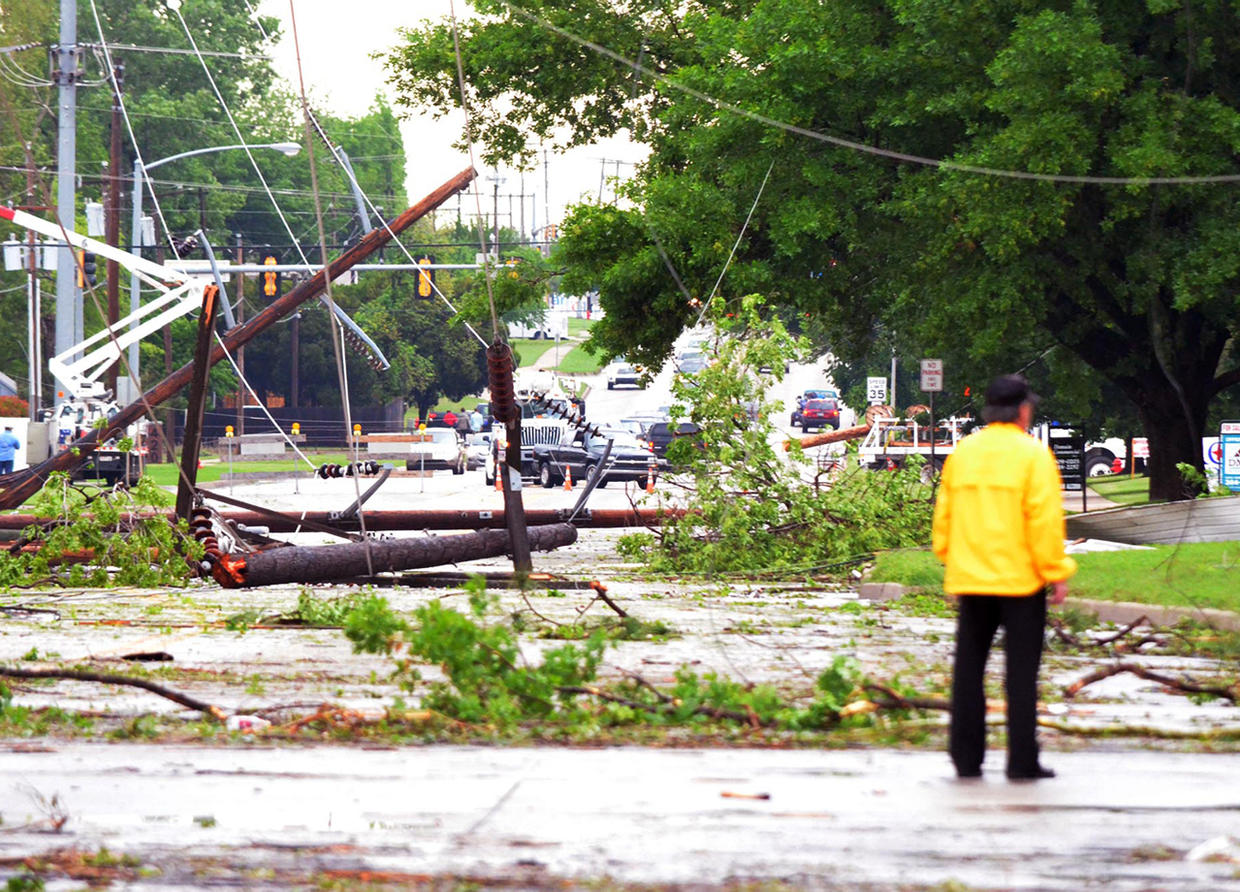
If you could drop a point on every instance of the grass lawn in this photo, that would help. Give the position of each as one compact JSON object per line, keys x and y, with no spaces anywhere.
{"x":1205,"y":574}
{"x":1122,"y":490}
{"x":212,"y":470}
{"x":530,"y":351}
{"x":578,"y":327}
{"x":579,"y":362}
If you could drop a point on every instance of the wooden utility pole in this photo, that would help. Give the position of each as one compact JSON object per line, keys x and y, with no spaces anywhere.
{"x":240,"y":316}
{"x":112,"y":228}
{"x":191,"y":446}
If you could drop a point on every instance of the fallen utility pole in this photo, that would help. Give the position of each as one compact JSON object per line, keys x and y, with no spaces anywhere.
{"x":848,"y":433}
{"x":324,"y":563}
{"x":22,"y":485}
{"x":395,"y":521}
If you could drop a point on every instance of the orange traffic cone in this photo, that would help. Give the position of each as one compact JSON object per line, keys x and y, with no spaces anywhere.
{"x":568,"y":479}
{"x":649,"y":478}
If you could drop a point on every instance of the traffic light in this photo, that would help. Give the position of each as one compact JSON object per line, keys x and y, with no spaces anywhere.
{"x":271,"y":278}
{"x":87,"y":269}
{"x":426,"y":278}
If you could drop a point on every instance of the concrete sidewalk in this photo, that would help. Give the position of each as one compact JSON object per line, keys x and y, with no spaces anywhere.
{"x":268,"y":818}
{"x":1072,"y":501}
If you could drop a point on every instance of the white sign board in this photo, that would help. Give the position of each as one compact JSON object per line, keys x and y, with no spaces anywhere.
{"x":932,"y":375}
{"x":1211,"y":453}
{"x":876,"y":390}
{"x":1229,"y":464}
{"x":1140,"y":447}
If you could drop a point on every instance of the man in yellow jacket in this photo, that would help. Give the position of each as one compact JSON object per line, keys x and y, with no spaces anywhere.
{"x":998,"y":528}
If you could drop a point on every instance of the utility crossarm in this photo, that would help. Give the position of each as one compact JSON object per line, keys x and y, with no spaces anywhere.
{"x":181,"y":294}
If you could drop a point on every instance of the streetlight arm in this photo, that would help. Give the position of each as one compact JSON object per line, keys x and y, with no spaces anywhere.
{"x":288,"y":148}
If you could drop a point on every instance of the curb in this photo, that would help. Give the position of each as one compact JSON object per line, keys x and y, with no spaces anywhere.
{"x":1118,"y":612}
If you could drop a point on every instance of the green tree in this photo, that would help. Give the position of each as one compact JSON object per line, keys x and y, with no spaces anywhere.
{"x":1128,"y":286}
{"x":430,"y":356}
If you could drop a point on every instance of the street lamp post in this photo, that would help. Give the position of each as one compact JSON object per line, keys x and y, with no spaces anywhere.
{"x":140,"y":171}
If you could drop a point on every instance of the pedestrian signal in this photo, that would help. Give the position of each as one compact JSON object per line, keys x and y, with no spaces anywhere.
{"x":271,"y":277}
{"x":426,"y":278}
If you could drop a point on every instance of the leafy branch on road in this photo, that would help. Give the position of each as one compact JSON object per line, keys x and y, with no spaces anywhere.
{"x":99,"y":537}
{"x":487,"y":682}
{"x":748,"y":506}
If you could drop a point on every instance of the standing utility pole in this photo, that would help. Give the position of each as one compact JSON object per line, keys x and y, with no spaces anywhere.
{"x":69,"y":328}
{"x":240,"y":316}
{"x":112,"y":231}
{"x":34,"y":332}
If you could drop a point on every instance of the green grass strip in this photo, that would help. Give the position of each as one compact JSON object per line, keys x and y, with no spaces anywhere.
{"x":1202,"y":574}
{"x":1122,"y":490}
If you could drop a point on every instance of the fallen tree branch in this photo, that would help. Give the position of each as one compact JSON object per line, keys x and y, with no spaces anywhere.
{"x":108,"y":678}
{"x":891,"y":699}
{"x":1058,"y":627}
{"x":1187,"y":685}
{"x":746,"y":718}
{"x":601,"y":591}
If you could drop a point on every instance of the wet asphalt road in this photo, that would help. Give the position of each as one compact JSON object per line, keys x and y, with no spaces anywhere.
{"x":876,"y":819}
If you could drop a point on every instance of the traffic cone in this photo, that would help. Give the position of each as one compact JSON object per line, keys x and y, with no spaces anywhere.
{"x":499,"y":484}
{"x":649,"y":478}
{"x":568,"y":479}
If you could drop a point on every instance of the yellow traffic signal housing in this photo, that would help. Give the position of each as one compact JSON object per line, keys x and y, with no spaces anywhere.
{"x":271,"y":278}
{"x":426,"y":278}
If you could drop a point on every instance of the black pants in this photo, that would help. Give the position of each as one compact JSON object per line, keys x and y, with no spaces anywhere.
{"x":1024,"y":622}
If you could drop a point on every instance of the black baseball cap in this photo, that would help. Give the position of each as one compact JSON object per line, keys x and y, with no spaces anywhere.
{"x":1010,"y":390}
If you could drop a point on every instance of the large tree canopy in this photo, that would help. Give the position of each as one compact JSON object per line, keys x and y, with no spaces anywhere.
{"x":1094,"y":285}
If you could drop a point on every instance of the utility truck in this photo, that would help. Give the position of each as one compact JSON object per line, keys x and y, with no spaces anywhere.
{"x":890,"y":441}
{"x":83,"y":402}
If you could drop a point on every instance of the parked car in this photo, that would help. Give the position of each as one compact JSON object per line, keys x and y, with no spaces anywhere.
{"x":628,"y":459}
{"x":443,"y":448}
{"x":815,"y":394}
{"x":622,"y":374}
{"x":639,"y":425}
{"x":823,"y":412}
{"x":477,"y":445}
{"x":662,"y":433}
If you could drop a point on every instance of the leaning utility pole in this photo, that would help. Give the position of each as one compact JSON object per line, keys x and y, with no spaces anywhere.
{"x":69,"y":327}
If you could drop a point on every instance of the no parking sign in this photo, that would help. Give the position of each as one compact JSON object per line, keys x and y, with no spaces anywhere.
{"x":1229,"y":454}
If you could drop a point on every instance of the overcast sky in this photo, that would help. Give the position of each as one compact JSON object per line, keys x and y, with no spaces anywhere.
{"x":336,"y":40}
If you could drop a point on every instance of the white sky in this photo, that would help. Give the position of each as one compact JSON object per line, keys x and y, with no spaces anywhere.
{"x":336,"y":40}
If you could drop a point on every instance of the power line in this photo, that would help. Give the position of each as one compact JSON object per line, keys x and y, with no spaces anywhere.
{"x":135,"y":48}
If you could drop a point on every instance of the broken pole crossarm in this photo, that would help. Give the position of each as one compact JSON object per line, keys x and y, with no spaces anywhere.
{"x":18,"y":487}
{"x":325,"y":563}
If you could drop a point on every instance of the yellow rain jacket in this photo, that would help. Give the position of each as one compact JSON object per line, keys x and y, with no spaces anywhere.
{"x":998,"y":521}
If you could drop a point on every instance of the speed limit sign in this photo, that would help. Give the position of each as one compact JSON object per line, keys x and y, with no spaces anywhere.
{"x":876,"y":390}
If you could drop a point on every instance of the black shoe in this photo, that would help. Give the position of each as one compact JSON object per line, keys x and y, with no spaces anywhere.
{"x":966,"y":773}
{"x":1038,"y":773}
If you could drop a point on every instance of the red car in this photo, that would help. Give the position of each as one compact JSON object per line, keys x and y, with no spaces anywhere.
{"x":820,"y":413}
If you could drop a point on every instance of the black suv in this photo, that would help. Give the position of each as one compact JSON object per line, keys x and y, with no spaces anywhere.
{"x":662,"y":433}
